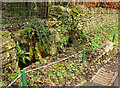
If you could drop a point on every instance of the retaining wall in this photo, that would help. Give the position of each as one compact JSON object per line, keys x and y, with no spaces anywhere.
{"x":96,"y":17}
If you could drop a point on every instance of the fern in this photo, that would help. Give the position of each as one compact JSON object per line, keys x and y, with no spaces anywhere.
{"x":21,"y":55}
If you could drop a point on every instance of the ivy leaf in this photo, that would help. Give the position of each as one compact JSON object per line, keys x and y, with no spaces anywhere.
{"x":73,"y":52}
{"x":75,"y":10}
{"x":73,"y":15}
{"x":76,"y":35}
{"x":23,"y":60}
{"x":27,"y":53}
{"x":59,"y":21}
{"x":59,"y":74}
{"x":99,"y":60}
{"x":27,"y":58}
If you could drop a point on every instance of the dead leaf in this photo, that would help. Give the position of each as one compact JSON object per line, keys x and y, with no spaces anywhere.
{"x":42,"y":69}
{"x":52,"y":84}
{"x":45,"y":72}
{"x":68,"y":83}
{"x":105,"y":34}
{"x":39,"y":81}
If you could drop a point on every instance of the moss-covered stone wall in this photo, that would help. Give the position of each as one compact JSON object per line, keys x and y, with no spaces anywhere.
{"x":91,"y":18}
{"x":7,"y":52}
{"x":100,"y":16}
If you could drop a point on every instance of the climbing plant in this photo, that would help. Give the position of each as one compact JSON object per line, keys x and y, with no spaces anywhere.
{"x":37,"y":37}
{"x":69,"y":23}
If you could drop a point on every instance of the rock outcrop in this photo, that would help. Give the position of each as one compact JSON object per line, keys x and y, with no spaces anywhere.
{"x":7,"y":52}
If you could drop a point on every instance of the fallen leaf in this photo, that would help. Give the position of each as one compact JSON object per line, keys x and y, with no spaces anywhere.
{"x":68,"y":83}
{"x":52,"y":84}
{"x":39,"y":81}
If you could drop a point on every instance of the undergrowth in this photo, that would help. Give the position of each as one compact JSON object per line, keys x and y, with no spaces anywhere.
{"x":55,"y":75}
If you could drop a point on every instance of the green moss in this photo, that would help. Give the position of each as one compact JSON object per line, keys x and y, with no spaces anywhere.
{"x":4,"y":32}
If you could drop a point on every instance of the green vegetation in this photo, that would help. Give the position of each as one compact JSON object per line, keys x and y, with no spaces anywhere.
{"x":4,"y":32}
{"x":37,"y":34}
{"x":21,"y":55}
{"x":37,"y":39}
{"x":38,"y":43}
{"x":71,"y":69}
{"x":100,"y":36}
{"x":69,"y":29}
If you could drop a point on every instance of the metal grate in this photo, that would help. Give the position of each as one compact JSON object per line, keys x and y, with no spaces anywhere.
{"x":104,"y":77}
